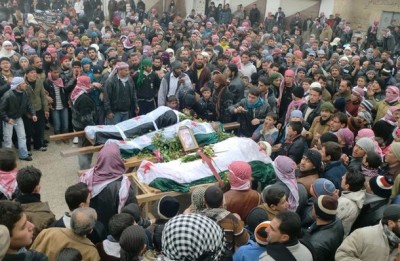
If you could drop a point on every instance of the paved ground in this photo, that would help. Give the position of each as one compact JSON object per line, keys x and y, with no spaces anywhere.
{"x":58,"y":174}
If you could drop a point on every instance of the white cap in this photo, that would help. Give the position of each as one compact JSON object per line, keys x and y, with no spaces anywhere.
{"x":315,"y":85}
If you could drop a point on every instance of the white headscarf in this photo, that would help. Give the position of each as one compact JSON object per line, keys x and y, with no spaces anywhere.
{"x":4,"y":52}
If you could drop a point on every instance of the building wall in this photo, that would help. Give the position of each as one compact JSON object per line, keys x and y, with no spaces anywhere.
{"x":364,"y":12}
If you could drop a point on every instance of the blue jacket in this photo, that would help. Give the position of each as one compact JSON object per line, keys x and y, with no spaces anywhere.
{"x":249,"y":252}
{"x":334,"y":172}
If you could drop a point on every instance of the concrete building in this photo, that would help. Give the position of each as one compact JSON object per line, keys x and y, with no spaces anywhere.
{"x":357,"y":12}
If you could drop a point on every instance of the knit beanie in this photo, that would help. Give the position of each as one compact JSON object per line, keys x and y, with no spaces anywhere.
{"x":255,"y":217}
{"x":133,"y":210}
{"x":391,"y":97}
{"x":366,"y":116}
{"x":289,"y":73}
{"x":298,"y":92}
{"x":366,"y":144}
{"x":315,"y":157}
{"x":359,"y":92}
{"x":176,"y":65}
{"x":340,"y":104}
{"x":23,"y":58}
{"x":300,"y":69}
{"x":381,"y":83}
{"x":167,"y":207}
{"x":395,"y":148}
{"x":4,"y":241}
{"x":15,"y":82}
{"x":260,"y":233}
{"x":78,"y":50}
{"x":296,"y":114}
{"x":275,"y":76}
{"x":367,"y":105}
{"x":381,"y":186}
{"x":239,"y":175}
{"x":85,"y":61}
{"x":213,"y":197}
{"x":322,"y":186}
{"x":326,"y":207}
{"x":392,"y":212}
{"x":132,"y":241}
{"x":328,"y":106}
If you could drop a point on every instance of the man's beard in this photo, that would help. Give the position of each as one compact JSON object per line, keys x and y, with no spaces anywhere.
{"x":156,"y":68}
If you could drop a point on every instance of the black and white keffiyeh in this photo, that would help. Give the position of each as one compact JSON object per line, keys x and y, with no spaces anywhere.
{"x":192,"y":237}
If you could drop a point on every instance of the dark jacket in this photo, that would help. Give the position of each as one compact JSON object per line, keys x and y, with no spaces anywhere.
{"x":149,"y":88}
{"x":29,"y":255}
{"x":106,"y":202}
{"x":83,"y":112}
{"x":334,"y":172}
{"x":326,"y":239}
{"x":207,"y":110}
{"x":50,"y":88}
{"x":314,"y":113}
{"x":371,"y":213}
{"x":201,"y":81}
{"x":14,"y":105}
{"x":236,"y":87}
{"x":223,"y":99}
{"x":294,"y":149}
{"x":120,"y":98}
{"x":246,"y":128}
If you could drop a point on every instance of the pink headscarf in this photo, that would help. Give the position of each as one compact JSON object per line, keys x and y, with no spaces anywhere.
{"x":392,"y":97}
{"x":284,"y":170}
{"x":82,"y":86}
{"x":239,"y":175}
{"x":347,"y":135}
{"x":8,"y":183}
{"x":109,"y":167}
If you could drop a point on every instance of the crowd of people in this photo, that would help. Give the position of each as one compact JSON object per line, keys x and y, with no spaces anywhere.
{"x":321,"y":99}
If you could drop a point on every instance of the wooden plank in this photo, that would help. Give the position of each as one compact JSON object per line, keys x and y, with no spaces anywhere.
{"x":69,"y":135}
{"x":231,"y":126}
{"x":81,"y":150}
{"x":150,"y":197}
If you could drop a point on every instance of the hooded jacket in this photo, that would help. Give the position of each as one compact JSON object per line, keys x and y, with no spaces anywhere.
{"x":349,"y":207}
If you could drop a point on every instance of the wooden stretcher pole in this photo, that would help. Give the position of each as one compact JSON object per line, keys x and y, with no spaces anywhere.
{"x":66,"y":136}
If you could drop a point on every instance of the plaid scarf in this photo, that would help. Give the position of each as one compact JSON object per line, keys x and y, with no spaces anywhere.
{"x":393,"y":239}
{"x":8,"y":182}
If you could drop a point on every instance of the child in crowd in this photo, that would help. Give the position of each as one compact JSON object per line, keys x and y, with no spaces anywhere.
{"x":267,"y":131}
{"x":172,"y":102}
{"x":207,"y":107}
{"x":8,"y":174}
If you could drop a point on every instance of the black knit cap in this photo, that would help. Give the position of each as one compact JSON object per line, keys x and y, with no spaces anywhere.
{"x":392,"y":212}
{"x":132,"y":241}
{"x":233,"y":67}
{"x":381,"y":186}
{"x":298,"y":92}
{"x":213,"y":197}
{"x":315,"y":158}
{"x":168,"y":207}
